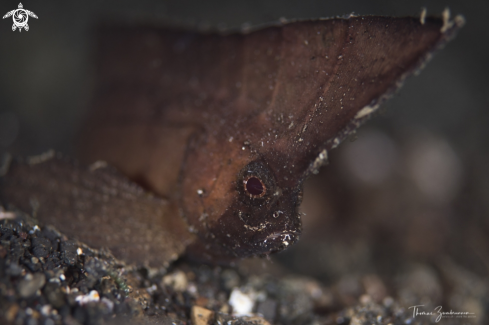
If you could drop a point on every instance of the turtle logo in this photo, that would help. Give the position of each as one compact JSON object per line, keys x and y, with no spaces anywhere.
{"x":20,"y":17}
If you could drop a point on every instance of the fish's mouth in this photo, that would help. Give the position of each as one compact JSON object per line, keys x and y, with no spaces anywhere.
{"x":278,"y":241}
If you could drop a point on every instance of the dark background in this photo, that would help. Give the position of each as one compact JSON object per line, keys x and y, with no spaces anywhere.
{"x":421,"y":190}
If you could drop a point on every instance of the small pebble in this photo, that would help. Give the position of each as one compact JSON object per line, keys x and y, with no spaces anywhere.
{"x":30,"y":284}
{"x":177,"y":280}
{"x":90,"y":297}
{"x":201,"y":316}
{"x":241,"y":302}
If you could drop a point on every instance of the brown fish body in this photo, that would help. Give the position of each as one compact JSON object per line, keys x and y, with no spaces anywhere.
{"x":97,"y":205}
{"x":229,"y":127}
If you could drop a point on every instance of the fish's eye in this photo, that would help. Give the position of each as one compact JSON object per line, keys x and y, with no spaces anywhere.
{"x":254,"y":187}
{"x":256,"y":181}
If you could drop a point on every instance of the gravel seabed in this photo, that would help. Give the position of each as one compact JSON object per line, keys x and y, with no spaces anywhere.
{"x":46,"y":278}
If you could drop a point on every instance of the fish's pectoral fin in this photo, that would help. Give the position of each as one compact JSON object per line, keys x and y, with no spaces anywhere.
{"x":26,"y":27}
{"x":14,"y":27}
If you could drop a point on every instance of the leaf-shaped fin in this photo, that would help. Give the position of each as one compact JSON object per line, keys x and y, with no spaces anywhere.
{"x":334,"y":74}
{"x":296,"y":89}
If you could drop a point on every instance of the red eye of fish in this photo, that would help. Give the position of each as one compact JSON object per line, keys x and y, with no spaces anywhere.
{"x":254,"y":186}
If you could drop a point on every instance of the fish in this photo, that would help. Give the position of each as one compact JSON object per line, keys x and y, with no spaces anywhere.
{"x":198,"y":144}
